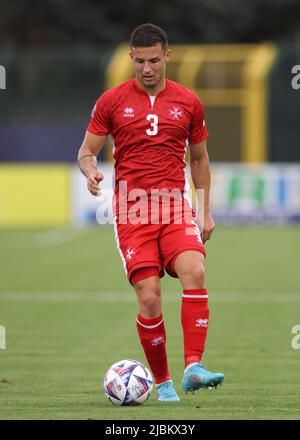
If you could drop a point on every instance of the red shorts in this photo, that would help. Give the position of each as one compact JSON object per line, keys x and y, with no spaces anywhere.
{"x":156,"y":245}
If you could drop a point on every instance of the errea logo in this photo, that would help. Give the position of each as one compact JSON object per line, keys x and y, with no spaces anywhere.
{"x":128,"y":112}
{"x":201,"y":323}
{"x":157,"y":341}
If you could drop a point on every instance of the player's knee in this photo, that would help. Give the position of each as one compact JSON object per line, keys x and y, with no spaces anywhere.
{"x":195,"y":276}
{"x":149,"y":298}
{"x":150,"y":306}
{"x":198,"y":275}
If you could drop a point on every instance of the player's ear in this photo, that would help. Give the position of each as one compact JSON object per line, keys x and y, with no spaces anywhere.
{"x":130,"y":55}
{"x":167,"y":54}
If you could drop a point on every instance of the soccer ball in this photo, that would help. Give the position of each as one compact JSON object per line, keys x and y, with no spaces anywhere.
{"x":128,"y":382}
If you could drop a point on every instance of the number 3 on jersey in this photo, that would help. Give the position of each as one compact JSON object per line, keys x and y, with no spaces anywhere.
{"x":154,"y":124}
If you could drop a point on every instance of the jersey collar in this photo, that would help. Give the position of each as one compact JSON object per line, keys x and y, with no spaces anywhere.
{"x":142,"y":91}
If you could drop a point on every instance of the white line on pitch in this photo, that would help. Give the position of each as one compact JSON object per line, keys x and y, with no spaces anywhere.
{"x":167,"y":297}
{"x":57,"y":236}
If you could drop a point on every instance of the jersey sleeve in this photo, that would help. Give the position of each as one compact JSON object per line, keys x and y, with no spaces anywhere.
{"x":198,"y":130}
{"x":100,"y":123}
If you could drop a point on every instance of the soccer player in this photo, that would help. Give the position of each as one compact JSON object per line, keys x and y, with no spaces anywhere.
{"x":152,"y":120}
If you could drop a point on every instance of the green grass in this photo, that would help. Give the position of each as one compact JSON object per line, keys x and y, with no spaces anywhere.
{"x":69,"y":313}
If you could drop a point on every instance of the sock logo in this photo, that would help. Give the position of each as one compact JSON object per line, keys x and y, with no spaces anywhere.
{"x":201,"y":322}
{"x":157,"y":341}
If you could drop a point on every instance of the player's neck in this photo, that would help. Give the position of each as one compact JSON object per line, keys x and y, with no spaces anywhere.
{"x":153,"y":91}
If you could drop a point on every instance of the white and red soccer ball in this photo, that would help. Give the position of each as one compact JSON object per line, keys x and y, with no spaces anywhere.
{"x":128,"y":382}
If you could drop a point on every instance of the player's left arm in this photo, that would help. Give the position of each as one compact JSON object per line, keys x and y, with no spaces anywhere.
{"x":201,"y":177}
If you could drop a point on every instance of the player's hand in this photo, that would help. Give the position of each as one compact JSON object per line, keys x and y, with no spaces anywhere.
{"x":208,"y":228}
{"x":93,"y":183}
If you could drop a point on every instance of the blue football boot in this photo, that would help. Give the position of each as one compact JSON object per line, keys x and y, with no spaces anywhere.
{"x":167,"y":393}
{"x":196,"y":376}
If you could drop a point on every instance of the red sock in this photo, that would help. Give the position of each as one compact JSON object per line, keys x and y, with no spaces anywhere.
{"x":194,"y":320}
{"x":152,"y":335}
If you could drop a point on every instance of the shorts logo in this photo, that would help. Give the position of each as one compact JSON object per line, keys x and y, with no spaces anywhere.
{"x":201,"y":322}
{"x":157,"y":341}
{"x":128,"y":112}
{"x":129,"y":254}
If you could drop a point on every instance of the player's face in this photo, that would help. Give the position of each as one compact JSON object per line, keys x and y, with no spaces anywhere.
{"x":150,"y":65}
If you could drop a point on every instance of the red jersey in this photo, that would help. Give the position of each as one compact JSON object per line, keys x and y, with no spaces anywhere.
{"x":149,"y":134}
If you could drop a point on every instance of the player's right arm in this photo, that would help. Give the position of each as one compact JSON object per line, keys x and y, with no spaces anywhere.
{"x":87,"y":161}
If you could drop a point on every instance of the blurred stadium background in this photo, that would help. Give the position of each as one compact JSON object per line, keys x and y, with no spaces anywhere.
{"x":61,"y":282}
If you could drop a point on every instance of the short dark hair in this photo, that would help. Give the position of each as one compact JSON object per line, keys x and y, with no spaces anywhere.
{"x":147,"y":35}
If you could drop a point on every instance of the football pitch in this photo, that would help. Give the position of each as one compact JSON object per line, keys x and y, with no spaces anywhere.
{"x":69,"y":313}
